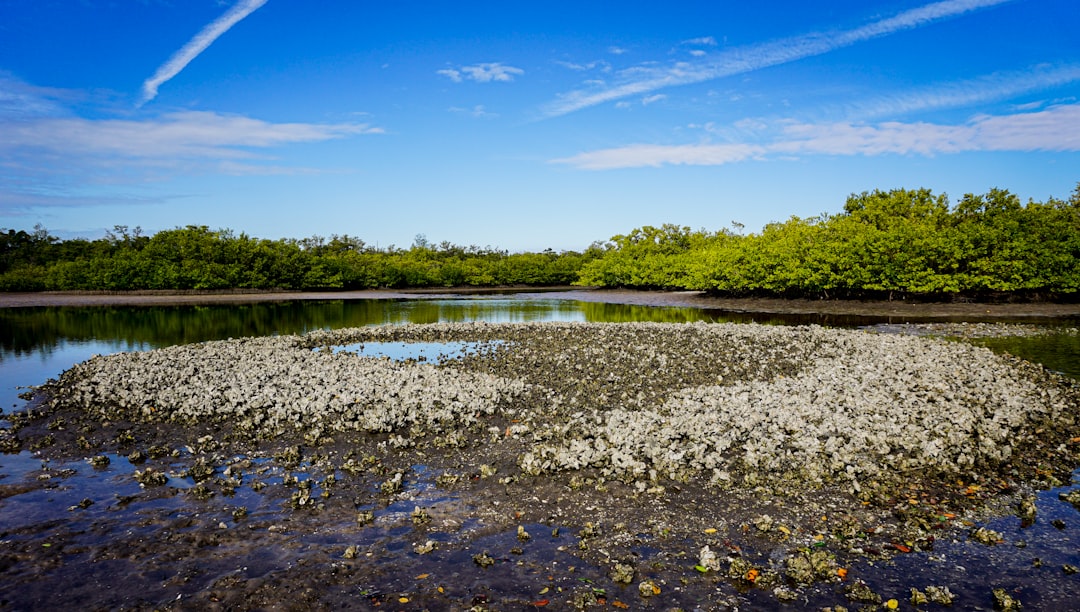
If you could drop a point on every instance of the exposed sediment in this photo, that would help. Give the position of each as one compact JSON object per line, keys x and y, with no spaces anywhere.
{"x":768,"y":459}
{"x":734,"y":404}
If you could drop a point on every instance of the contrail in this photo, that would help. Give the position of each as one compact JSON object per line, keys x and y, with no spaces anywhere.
{"x":756,"y":57}
{"x":197,"y":45}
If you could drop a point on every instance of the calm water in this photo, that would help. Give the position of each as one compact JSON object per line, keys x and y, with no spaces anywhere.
{"x":39,"y":343}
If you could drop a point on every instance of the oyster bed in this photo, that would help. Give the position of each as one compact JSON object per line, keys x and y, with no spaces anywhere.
{"x":735,"y":404}
{"x":811,"y":446}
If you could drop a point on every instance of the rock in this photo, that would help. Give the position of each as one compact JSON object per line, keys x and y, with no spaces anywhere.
{"x":150,"y":478}
{"x":1004,"y":601}
{"x":859,"y":592}
{"x":940,"y":595}
{"x":806,"y":566}
{"x":709,"y":559}
{"x":1073,"y":497}
{"x":785,"y":594}
{"x":648,"y":588}
{"x":985,"y":536}
{"x":622,"y":572}
{"x":420,"y":516}
{"x":1027,"y":511}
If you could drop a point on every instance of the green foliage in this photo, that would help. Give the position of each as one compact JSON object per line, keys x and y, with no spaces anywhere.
{"x":197,"y":258}
{"x":907,"y":241}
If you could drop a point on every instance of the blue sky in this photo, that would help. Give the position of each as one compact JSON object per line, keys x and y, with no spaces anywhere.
{"x":521,"y":125}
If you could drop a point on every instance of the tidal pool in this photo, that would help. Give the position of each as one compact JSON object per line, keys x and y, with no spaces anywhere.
{"x":434,"y":352}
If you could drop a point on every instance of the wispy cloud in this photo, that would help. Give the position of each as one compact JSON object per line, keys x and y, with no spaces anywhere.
{"x":182,"y":134}
{"x":647,"y":100}
{"x":53,"y":160}
{"x":641,"y":155}
{"x":601,"y":64}
{"x":482,"y":73}
{"x":18,"y":203}
{"x":703,"y":41}
{"x":644,"y":79}
{"x":197,"y":45}
{"x":1054,"y":129}
{"x":20,"y":100}
{"x":997,"y":86}
{"x":478,"y":111}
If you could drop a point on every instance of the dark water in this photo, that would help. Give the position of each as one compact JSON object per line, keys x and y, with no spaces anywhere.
{"x":39,"y":343}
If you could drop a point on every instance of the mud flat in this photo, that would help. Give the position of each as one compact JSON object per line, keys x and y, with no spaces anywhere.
{"x":646,"y":465}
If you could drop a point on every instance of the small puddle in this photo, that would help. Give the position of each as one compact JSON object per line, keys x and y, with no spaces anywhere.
{"x":433,"y":352}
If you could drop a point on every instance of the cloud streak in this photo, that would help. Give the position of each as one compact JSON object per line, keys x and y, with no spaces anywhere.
{"x":643,"y":80}
{"x":997,"y":86}
{"x":53,"y":161}
{"x":482,"y":73}
{"x":188,"y":134}
{"x":197,"y":45}
{"x":1054,"y":129}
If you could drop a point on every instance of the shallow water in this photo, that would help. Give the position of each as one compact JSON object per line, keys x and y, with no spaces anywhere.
{"x":39,"y":343}
{"x":432,"y":352}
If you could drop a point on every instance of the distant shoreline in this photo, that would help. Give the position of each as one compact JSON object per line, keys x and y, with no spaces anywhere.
{"x":692,"y":299}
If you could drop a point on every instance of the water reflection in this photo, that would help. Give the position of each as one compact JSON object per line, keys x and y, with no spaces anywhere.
{"x":432,"y":352}
{"x":1058,"y":352}
{"x":39,"y":343}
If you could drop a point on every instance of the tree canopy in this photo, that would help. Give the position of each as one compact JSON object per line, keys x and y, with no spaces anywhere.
{"x":883,"y":242}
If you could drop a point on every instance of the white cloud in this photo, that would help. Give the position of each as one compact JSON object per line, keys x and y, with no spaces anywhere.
{"x":644,"y":79}
{"x":478,"y":111}
{"x":1053,"y":129}
{"x":197,"y":45}
{"x":698,"y":53}
{"x":482,"y":73}
{"x":19,"y":99}
{"x":617,"y":50}
{"x":647,"y":100}
{"x":997,"y":86}
{"x":635,"y":156}
{"x":181,"y":134}
{"x":451,"y":74}
{"x":54,"y":161}
{"x":598,"y":64}
{"x":703,"y":41}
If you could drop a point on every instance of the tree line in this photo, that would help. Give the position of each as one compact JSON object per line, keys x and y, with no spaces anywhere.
{"x":882,"y":243}
{"x":198,"y":258}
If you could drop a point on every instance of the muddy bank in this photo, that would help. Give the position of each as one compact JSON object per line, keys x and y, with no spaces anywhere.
{"x":571,"y":465}
{"x":945,"y":310}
